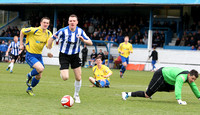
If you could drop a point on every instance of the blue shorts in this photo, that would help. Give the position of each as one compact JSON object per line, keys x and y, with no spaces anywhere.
{"x":31,"y":59}
{"x":103,"y":84}
{"x":124,"y":59}
{"x":153,"y":62}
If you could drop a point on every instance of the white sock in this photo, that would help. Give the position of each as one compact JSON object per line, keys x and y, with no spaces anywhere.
{"x":77,"y":85}
{"x":129,"y":94}
{"x":11,"y":65}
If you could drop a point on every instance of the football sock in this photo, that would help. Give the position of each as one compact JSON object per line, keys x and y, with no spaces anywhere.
{"x":34,"y":82}
{"x":33,"y":73}
{"x":11,"y":65}
{"x":77,"y":85}
{"x":123,"y":69}
{"x":138,"y":94}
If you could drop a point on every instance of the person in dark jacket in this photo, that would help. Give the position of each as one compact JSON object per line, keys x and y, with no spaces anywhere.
{"x":154,"y":55}
{"x":84,"y":52}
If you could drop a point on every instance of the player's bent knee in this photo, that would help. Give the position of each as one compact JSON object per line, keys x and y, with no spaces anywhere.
{"x":40,"y":70}
{"x":90,"y":78}
{"x":64,"y":77}
{"x":78,"y":79}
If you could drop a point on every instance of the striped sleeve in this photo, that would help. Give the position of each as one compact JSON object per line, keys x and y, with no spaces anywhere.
{"x":10,"y":46}
{"x":57,"y":34}
{"x":84,"y":35}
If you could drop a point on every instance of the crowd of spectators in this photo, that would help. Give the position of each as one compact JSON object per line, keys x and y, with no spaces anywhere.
{"x":111,"y":28}
{"x":190,"y":39}
{"x":10,"y":32}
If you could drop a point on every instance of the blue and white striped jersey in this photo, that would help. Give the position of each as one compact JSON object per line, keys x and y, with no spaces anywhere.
{"x":70,"y":44}
{"x":15,"y":48}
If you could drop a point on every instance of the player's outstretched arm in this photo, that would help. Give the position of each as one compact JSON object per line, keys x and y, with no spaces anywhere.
{"x":21,"y":40}
{"x":50,"y":41}
{"x":88,"y":42}
{"x":7,"y":51}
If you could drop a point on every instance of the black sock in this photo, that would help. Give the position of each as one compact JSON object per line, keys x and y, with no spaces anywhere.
{"x":138,"y":94}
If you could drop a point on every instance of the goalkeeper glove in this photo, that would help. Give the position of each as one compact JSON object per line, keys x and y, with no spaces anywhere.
{"x":181,"y":102}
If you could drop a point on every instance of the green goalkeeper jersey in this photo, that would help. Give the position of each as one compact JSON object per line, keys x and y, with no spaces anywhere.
{"x":171,"y":76}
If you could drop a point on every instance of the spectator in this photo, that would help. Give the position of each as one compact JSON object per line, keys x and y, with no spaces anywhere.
{"x":120,"y":38}
{"x":131,"y":33}
{"x":193,"y":41}
{"x":3,"y":33}
{"x":193,"y":48}
{"x":4,"y":48}
{"x":84,"y":52}
{"x":177,"y":42}
{"x":187,"y":41}
{"x":182,"y":42}
{"x":101,"y":54}
{"x":91,"y":28}
{"x":145,"y":40}
{"x":92,"y":56}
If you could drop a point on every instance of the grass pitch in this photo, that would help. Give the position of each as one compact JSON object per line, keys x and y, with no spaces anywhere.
{"x":98,"y":101}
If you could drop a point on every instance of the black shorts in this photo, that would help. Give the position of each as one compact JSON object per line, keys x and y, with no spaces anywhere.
{"x":158,"y":84}
{"x":65,"y":60}
{"x":14,"y":57}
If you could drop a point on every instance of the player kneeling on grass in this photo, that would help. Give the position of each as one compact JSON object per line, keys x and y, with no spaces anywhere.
{"x":101,"y":74}
{"x":168,"y":79}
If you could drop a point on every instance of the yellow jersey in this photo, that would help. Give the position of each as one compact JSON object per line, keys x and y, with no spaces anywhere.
{"x":126,"y":48}
{"x":99,"y":73}
{"x":36,"y":39}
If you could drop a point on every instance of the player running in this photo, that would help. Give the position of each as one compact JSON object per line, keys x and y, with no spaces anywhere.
{"x":125,"y":49}
{"x":15,"y":51}
{"x":168,"y":79}
{"x":71,"y":37}
{"x":36,"y":38}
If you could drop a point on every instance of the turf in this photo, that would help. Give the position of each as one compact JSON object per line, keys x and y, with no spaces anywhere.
{"x":98,"y":101}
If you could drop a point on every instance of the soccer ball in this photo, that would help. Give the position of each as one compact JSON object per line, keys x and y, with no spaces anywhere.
{"x":67,"y":101}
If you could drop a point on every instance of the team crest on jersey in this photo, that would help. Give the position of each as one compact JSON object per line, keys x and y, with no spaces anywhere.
{"x":77,"y":35}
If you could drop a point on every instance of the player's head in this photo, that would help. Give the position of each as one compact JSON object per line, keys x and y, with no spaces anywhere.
{"x":100,"y":50}
{"x":15,"y":38}
{"x":44,"y":22}
{"x":192,"y":76}
{"x":93,"y":51}
{"x":98,"y":60}
{"x":126,"y":39}
{"x":73,"y":21}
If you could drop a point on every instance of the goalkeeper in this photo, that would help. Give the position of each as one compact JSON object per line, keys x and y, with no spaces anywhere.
{"x":168,"y":79}
{"x":101,"y":74}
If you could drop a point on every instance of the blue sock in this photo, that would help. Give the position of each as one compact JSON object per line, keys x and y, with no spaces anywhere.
{"x":123,"y":69}
{"x":34,"y":82}
{"x":29,"y":88}
{"x":33,"y":73}
{"x":89,"y":63}
{"x":102,"y":83}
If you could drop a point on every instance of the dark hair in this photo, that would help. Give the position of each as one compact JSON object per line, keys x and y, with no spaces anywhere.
{"x":99,"y":57}
{"x":194,"y":72}
{"x":73,"y":15}
{"x":45,"y":18}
